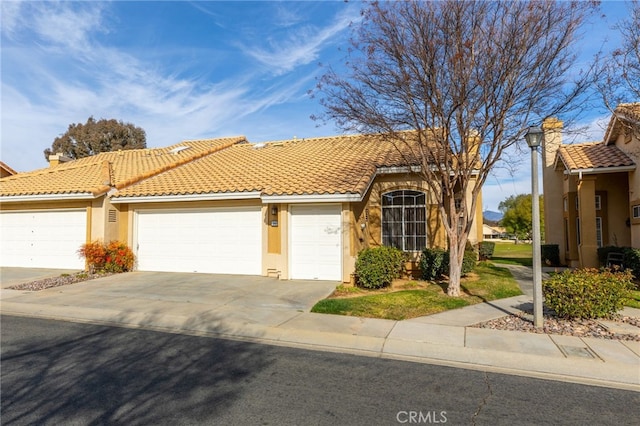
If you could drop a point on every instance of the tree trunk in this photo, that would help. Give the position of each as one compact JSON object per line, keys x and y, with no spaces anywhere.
{"x":455,"y":271}
{"x":456,"y":256}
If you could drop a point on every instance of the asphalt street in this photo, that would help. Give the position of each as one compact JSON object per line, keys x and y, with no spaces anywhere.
{"x":56,"y":372}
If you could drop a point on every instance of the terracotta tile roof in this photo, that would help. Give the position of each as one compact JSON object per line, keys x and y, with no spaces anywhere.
{"x":330,"y":165}
{"x":99,"y":173}
{"x":593,"y":156}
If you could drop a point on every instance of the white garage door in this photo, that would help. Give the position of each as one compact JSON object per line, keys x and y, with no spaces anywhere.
{"x":43,"y":239}
{"x":221,"y":241}
{"x":316,"y":243}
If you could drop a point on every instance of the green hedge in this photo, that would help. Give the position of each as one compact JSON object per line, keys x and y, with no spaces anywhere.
{"x":434,"y":263}
{"x":378,"y":267}
{"x":587,"y":293}
{"x":631,"y":261}
{"x":485,"y":249}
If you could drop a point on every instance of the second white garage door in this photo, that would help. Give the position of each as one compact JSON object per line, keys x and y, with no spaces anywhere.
{"x":316,"y":242}
{"x":220,"y":241}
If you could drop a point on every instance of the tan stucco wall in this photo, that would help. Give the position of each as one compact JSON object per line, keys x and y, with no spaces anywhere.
{"x":629,"y":142}
{"x":587,"y":248}
{"x":369,"y":213}
{"x":612,"y":188}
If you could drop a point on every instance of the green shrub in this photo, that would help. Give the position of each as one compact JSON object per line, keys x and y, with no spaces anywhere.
{"x":631,"y":261}
{"x":550,"y":254}
{"x":378,"y":267}
{"x":587,"y":293}
{"x":468,"y":262}
{"x":485,"y":249}
{"x":434,"y":263}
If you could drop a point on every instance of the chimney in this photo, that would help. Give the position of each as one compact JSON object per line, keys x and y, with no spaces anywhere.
{"x":553,"y":185}
{"x":55,"y":159}
{"x":552,"y":128}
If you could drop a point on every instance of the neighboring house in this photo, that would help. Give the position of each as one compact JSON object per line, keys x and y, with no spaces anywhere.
{"x":47,"y":214}
{"x":5,"y":170}
{"x":493,"y":232}
{"x":592,"y":190}
{"x":296,"y":209}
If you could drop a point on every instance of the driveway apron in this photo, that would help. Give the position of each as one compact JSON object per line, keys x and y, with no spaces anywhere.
{"x":220,"y":299}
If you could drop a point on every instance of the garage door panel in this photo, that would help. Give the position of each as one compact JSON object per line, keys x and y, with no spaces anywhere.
{"x":224,"y":241}
{"x":42,"y":239}
{"x":316,"y":242}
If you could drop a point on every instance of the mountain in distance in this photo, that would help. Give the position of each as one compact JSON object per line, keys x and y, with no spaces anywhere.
{"x":491,"y":216}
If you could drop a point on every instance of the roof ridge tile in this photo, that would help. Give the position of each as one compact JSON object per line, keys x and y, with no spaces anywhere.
{"x":179,"y":162}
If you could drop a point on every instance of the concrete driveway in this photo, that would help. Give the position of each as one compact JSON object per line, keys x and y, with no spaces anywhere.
{"x":153,"y":297}
{"x":13,"y":276}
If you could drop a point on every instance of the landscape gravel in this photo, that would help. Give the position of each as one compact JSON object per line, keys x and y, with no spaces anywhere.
{"x":58,"y":281}
{"x":554,"y":325}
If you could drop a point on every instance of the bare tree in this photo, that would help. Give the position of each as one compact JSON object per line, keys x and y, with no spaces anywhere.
{"x":622,"y":82}
{"x":93,"y":137}
{"x":468,"y":77}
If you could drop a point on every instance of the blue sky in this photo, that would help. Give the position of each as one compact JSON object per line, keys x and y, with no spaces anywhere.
{"x":188,"y":70}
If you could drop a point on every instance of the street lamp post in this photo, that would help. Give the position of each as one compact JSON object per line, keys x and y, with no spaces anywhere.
{"x":534,"y":138}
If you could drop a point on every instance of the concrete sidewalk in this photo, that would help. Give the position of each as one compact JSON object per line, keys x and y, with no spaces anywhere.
{"x":444,"y":338}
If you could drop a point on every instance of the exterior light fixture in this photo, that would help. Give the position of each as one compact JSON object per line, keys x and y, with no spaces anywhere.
{"x":534,"y":137}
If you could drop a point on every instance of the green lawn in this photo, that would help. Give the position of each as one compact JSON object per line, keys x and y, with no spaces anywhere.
{"x":418,"y":298}
{"x":634,"y":300}
{"x":488,"y":282}
{"x":508,"y":252}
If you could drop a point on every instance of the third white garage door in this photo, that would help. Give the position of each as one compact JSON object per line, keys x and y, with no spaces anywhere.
{"x":316,"y":242}
{"x":220,"y":241}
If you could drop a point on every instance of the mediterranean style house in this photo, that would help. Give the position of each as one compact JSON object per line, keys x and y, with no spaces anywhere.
{"x":293,"y":209}
{"x":592,"y":190}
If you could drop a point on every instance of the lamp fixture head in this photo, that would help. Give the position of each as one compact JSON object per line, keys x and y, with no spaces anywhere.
{"x":533,"y":136}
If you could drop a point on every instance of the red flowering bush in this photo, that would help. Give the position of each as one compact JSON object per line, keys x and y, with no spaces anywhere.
{"x":119,"y":258}
{"x":95,"y":255}
{"x":113,"y":257}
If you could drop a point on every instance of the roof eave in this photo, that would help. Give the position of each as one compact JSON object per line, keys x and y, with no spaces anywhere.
{"x":187,"y":197}
{"x":600,"y":170}
{"x":48,"y":197}
{"x":312,"y":198}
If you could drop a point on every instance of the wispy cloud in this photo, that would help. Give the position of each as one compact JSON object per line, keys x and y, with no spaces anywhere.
{"x":54,"y":23}
{"x":73,"y":75}
{"x":301,"y":45}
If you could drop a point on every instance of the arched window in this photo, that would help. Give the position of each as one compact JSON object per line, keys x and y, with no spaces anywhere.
{"x":404,"y":223}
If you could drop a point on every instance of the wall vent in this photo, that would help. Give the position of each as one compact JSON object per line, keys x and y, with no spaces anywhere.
{"x":113,"y":216}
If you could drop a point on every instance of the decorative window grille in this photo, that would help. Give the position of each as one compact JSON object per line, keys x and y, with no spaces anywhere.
{"x":404,"y":220}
